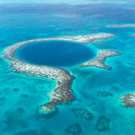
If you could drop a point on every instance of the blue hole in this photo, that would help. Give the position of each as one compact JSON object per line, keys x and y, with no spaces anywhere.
{"x":55,"y":53}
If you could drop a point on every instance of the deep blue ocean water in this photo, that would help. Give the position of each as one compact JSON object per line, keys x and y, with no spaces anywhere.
{"x":55,"y":53}
{"x":97,"y":91}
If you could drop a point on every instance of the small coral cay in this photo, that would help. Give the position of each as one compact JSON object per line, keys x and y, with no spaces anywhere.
{"x":129,"y":100}
{"x":99,"y":60}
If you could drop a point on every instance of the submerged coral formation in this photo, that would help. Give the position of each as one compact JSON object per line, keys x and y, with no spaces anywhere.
{"x":74,"y":129}
{"x":63,"y":91}
{"x":83,"y":113}
{"x":103,"y":124}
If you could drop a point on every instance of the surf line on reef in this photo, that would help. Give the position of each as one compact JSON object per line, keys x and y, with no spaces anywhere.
{"x":63,"y":92}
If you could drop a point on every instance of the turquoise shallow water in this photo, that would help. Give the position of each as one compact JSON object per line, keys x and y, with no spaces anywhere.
{"x":55,"y":53}
{"x":97,"y":91}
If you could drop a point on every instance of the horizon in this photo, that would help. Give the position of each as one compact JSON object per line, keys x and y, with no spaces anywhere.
{"x":70,"y":2}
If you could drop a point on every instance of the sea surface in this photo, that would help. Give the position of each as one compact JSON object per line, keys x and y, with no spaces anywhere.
{"x":97,"y":109}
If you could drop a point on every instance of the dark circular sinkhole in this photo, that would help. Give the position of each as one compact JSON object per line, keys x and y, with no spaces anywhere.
{"x":54,"y":53}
